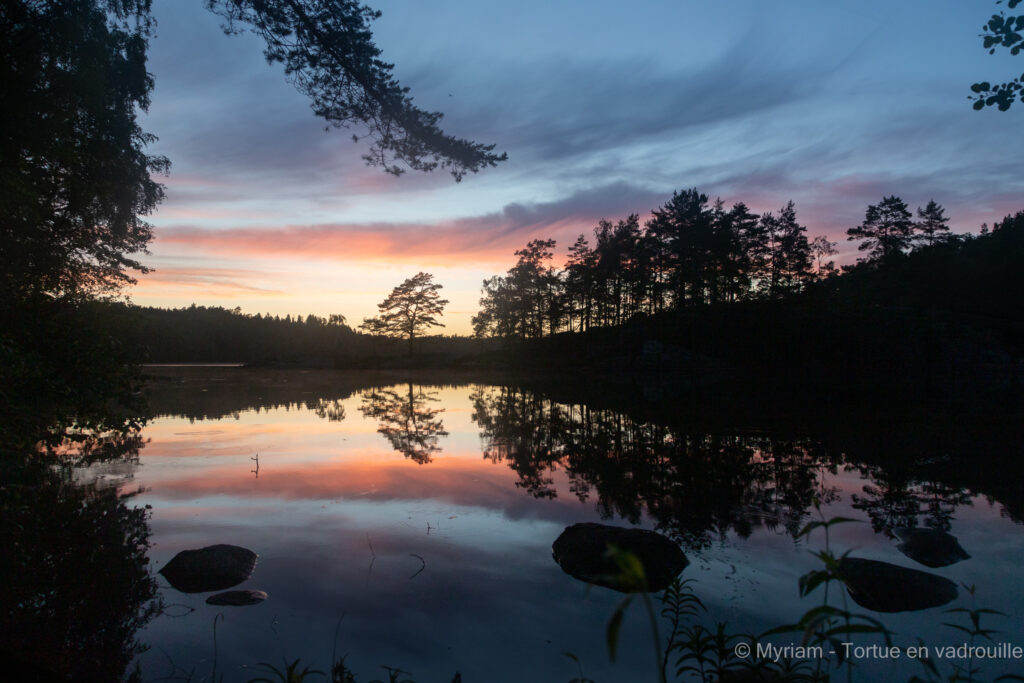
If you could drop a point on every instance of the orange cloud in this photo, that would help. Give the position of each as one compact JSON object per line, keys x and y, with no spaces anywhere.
{"x":486,"y":239}
{"x":417,"y":244}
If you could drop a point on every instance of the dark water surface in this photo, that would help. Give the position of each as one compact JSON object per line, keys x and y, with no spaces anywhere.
{"x":410,"y":524}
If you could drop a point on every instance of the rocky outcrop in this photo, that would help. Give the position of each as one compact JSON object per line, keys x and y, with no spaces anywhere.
{"x":212,"y":568}
{"x":885,"y":587}
{"x":588,"y":551}
{"x":930,"y":547}
{"x":237,"y":598}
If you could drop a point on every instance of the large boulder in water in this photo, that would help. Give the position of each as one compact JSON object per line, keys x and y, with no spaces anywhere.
{"x":237,"y":598}
{"x":582,"y":551}
{"x":930,"y":547}
{"x":212,"y":568}
{"x":885,"y":587}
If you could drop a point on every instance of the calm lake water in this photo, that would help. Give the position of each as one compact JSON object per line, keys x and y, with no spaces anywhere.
{"x":410,"y":524}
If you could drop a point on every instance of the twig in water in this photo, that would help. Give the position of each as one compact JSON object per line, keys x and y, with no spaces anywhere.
{"x":164,"y":610}
{"x":257,"y":470}
{"x":221,"y":617}
{"x":373,"y":558}
{"x":421,"y":568}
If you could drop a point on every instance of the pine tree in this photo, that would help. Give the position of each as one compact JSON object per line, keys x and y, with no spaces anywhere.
{"x":931,"y":224}
{"x":411,"y":309}
{"x":887,"y":231}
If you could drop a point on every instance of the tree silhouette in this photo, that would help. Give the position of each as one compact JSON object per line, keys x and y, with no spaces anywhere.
{"x":1006,"y":32}
{"x":74,"y":176}
{"x":688,"y":255}
{"x":682,"y":228}
{"x":328,"y":53}
{"x":931,"y":224}
{"x":579,"y":283}
{"x":527,"y":298}
{"x":821,"y":248}
{"x":412,"y":308}
{"x":788,"y":252}
{"x":887,"y":230}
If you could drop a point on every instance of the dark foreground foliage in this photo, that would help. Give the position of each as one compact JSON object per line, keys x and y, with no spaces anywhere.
{"x":75,"y":574}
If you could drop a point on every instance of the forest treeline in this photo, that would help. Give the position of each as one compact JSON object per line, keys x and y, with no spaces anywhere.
{"x":924,"y":306}
{"x":213,"y":334}
{"x":691,"y":253}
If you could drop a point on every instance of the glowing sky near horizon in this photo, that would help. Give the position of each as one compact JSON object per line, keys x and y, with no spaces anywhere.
{"x":603,"y":109}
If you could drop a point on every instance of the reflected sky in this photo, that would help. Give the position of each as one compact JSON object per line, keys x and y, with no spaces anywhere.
{"x":446,"y":566}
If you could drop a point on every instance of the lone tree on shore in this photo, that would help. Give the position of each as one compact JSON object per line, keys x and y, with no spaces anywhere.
{"x":410,"y":310}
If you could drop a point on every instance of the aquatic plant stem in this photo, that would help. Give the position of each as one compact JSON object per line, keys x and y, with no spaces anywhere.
{"x":658,"y":657}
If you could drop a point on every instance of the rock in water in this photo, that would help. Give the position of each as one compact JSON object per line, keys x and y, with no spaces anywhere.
{"x":930,"y":547}
{"x":885,"y":587}
{"x":237,"y":598}
{"x":582,"y":552}
{"x":212,"y":568}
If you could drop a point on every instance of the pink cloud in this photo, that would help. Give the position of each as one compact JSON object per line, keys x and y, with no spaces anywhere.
{"x":226,"y":282}
{"x":452,"y":243}
{"x":488,"y":239}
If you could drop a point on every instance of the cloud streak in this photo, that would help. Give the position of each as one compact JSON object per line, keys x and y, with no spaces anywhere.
{"x":489,"y":238}
{"x":225,"y":282}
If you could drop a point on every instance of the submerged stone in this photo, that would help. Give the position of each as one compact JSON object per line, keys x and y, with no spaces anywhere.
{"x":586,"y":551}
{"x":930,"y":547}
{"x":885,"y":587}
{"x":212,"y":568}
{"x":237,"y":598}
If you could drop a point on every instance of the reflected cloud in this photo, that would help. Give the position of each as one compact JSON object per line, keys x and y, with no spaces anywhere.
{"x":461,"y":479}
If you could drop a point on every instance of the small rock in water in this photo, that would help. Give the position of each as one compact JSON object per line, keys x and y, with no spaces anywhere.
{"x":885,"y":587}
{"x":930,"y":547}
{"x":237,"y":598}
{"x":582,"y":552}
{"x":212,"y":568}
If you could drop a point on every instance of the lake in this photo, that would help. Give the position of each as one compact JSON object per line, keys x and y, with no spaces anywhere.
{"x":409,"y":523}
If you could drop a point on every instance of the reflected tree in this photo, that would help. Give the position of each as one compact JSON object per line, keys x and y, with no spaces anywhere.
{"x":519,"y":429}
{"x":77,"y":586}
{"x":698,"y":487}
{"x":898,"y":497}
{"x":328,"y":409}
{"x":406,"y":420}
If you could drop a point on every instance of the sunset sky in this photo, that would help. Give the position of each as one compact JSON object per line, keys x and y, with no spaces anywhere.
{"x":604,"y":109}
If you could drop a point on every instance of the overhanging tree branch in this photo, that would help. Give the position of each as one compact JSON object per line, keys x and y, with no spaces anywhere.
{"x":1001,"y":31}
{"x":328,"y":53}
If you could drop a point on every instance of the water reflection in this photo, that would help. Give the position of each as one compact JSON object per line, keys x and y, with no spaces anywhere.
{"x":76,"y":581}
{"x":406,"y":419}
{"x":329,"y":409}
{"x":479,"y":480}
{"x":698,"y":487}
{"x":897,"y":497}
